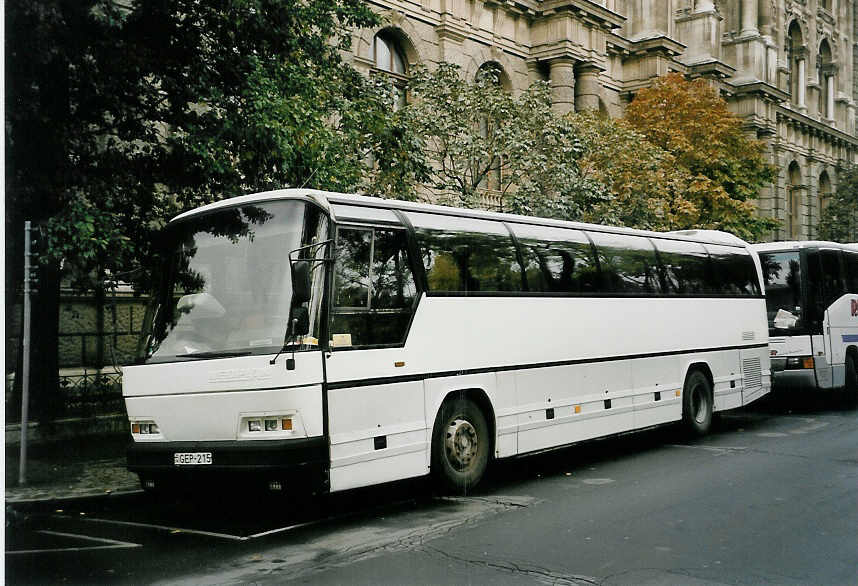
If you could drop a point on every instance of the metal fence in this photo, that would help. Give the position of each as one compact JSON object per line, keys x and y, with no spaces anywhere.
{"x":85,"y":394}
{"x":91,"y":394}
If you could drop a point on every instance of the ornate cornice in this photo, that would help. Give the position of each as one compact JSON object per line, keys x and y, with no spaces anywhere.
{"x":814,"y":127}
{"x":585,"y":9}
{"x":760,"y":88}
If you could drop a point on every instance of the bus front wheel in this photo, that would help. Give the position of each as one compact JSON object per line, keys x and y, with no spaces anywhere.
{"x":460,"y":446}
{"x":697,"y":403}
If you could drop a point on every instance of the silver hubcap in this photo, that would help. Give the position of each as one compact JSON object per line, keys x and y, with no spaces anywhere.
{"x":699,"y":403}
{"x":461,"y":444}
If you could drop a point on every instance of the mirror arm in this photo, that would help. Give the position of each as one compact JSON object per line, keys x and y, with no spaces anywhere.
{"x":288,"y":337}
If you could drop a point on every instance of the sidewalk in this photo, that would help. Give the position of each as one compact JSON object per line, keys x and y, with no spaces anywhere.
{"x":83,"y":467}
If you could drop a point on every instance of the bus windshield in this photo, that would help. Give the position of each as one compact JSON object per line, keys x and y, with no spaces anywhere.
{"x":227,"y":286}
{"x":782,"y":276}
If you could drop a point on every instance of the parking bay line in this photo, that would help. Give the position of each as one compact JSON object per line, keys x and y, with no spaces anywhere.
{"x":158,"y":527}
{"x":110,"y":544}
{"x":227,"y":536}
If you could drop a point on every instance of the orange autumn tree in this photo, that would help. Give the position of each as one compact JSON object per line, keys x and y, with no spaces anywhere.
{"x":691,"y":121}
{"x":647,"y":188}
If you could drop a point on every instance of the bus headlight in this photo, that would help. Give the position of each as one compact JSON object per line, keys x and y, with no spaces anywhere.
{"x":144,"y":428}
{"x":799,"y":362}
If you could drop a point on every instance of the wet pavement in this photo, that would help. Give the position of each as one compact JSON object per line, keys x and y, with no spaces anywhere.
{"x":59,"y":471}
{"x":769,"y":497}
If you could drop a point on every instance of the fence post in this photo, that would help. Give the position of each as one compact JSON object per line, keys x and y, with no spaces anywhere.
{"x":25,"y":380}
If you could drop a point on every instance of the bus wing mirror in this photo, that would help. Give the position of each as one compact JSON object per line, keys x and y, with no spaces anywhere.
{"x":300,"y":282}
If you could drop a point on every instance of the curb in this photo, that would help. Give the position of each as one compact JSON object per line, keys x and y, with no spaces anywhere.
{"x":84,"y":496}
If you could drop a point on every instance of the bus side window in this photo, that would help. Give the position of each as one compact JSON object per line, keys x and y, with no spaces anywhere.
{"x":627,"y":264}
{"x":557,"y":260}
{"x":832,"y":281}
{"x":734,"y":270}
{"x":463,"y":255}
{"x":685,"y":267}
{"x":374,"y":288}
{"x":850,"y":261}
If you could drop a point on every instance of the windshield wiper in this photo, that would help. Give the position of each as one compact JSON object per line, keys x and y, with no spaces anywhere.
{"x":224,"y":354}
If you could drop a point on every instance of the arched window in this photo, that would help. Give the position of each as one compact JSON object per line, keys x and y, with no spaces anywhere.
{"x":389,"y":57}
{"x":824,"y":192}
{"x":794,"y":201}
{"x":796,"y":55}
{"x":826,"y":80}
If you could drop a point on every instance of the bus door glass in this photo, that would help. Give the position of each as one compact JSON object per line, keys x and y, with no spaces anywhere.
{"x":782,"y":276}
{"x":375,"y":404}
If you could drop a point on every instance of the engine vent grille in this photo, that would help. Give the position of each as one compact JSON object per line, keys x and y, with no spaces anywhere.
{"x":752,"y":373}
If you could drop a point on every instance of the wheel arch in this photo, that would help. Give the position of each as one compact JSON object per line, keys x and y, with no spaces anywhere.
{"x":702,"y":367}
{"x":482,"y":400}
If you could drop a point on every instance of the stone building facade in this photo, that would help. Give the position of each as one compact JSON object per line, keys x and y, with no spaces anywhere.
{"x":785,"y":66}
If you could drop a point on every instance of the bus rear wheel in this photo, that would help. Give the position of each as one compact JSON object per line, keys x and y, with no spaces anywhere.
{"x":851,"y":389}
{"x":697,"y":403}
{"x":460,"y":446}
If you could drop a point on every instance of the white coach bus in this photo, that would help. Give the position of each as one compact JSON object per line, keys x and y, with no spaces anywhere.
{"x":812,"y":306}
{"x":423,"y":339}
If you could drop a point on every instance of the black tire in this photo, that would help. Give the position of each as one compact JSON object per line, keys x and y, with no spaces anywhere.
{"x":697,"y":403}
{"x":460,"y":446}
{"x":850,"y":390}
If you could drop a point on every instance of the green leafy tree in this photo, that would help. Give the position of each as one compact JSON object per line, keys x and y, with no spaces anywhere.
{"x":119,"y":115}
{"x":839,"y":220}
{"x":477,"y":138}
{"x":691,"y":121}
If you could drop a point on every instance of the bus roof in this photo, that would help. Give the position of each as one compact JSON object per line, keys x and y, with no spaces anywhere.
{"x":799,"y":244}
{"x":326,"y":198}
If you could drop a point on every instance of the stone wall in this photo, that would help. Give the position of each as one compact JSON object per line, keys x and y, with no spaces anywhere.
{"x":88,"y":338}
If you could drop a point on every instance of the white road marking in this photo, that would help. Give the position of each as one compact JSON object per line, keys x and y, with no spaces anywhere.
{"x":159,"y":527}
{"x":109,"y":544}
{"x":598,"y":481}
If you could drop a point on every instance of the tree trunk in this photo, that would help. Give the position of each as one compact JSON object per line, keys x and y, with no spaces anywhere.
{"x":47,"y":400}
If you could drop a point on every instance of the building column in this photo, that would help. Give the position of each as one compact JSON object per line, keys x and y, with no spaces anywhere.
{"x":829,"y":97}
{"x":587,"y":87}
{"x":562,"y":74}
{"x":704,"y":6}
{"x":766,"y":18}
{"x":801,"y":84}
{"x":749,"y":18}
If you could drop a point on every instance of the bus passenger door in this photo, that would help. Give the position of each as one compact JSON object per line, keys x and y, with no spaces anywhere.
{"x":377,"y":424}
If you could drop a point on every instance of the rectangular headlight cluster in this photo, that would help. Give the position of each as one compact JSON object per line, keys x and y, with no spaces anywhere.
{"x":799,"y":362}
{"x":269,"y":424}
{"x":144,"y":428}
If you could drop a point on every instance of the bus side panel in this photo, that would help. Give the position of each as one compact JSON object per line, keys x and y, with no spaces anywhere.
{"x":726,"y":377}
{"x":656,"y":398}
{"x":842,"y":329}
{"x":565,"y":404}
{"x":377,"y":431}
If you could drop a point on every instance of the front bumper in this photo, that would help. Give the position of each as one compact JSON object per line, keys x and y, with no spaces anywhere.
{"x":784,"y":379}
{"x":299,"y":464}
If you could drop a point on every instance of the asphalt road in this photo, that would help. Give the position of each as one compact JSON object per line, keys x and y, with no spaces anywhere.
{"x":771,"y":496}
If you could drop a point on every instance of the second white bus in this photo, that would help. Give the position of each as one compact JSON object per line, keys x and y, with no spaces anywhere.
{"x":427,"y":340}
{"x":812,"y":303}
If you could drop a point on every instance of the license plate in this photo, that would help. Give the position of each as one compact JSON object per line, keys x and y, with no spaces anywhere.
{"x":192,"y":458}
